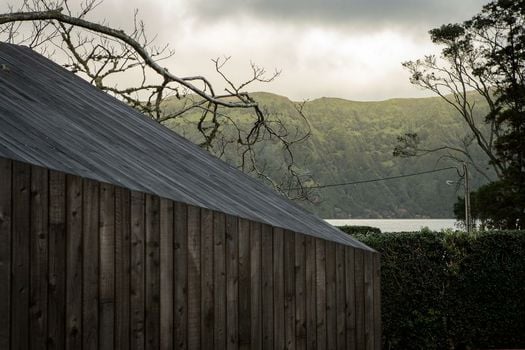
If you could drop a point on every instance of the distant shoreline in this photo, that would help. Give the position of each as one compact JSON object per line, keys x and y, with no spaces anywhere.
{"x":398,"y":225}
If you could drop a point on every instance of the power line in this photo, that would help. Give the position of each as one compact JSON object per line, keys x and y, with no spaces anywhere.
{"x":378,"y":179}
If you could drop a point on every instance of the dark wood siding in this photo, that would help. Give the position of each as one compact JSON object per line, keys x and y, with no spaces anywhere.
{"x":232,"y":282}
{"x":5,"y":252}
{"x":278,"y":288}
{"x":289,"y":289}
{"x":359,"y":299}
{"x":57,"y":260}
{"x":135,"y":271}
{"x":244,"y":284}
{"x":206,"y":279}
{"x":137,"y":293}
{"x":90,"y":258}
{"x":194,"y":278}
{"x":166,"y":274}
{"x":267,"y":286}
{"x":219,"y":281}
{"x":331,"y":315}
{"x":350,"y":298}
{"x":180,"y":281}
{"x":377,"y":302}
{"x":106,"y":300}
{"x":74,"y":263}
{"x":39,"y":256}
{"x":20,"y":259}
{"x":255,"y":286}
{"x":122,"y":268}
{"x":300,"y":291}
{"x":311,"y":322}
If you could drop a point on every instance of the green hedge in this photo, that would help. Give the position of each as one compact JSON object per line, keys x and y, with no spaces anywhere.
{"x":452,"y":290}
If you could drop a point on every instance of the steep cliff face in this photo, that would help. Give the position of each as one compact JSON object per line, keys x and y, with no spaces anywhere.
{"x":354,"y":141}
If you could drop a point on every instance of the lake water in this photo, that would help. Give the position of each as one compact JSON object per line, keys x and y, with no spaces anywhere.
{"x":398,"y":225}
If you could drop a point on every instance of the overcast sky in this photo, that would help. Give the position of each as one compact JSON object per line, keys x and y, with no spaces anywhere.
{"x":351,"y":49}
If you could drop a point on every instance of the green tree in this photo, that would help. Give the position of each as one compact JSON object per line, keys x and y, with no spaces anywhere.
{"x":484,"y":56}
{"x":490,"y":206}
{"x":506,"y":59}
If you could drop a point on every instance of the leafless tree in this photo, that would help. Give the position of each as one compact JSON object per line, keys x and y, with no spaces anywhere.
{"x":103,"y":55}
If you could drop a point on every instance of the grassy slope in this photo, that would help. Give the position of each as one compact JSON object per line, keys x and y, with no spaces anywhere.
{"x":353,"y":141}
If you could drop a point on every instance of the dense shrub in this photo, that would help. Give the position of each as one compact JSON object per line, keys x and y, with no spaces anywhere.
{"x":413,"y":274}
{"x":486,"y":292}
{"x":452,"y":290}
{"x":358,"y":230}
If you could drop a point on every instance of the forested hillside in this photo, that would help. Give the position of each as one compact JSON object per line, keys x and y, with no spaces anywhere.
{"x":353,"y":141}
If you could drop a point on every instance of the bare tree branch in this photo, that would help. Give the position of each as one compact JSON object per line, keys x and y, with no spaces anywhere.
{"x":102,"y":54}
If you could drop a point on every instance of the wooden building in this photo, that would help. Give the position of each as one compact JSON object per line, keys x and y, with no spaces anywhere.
{"x":116,"y":233}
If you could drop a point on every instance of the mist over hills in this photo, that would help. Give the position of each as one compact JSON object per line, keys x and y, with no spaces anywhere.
{"x":353,"y":141}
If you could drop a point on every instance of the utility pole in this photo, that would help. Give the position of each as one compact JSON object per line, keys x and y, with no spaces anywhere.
{"x":468,"y":217}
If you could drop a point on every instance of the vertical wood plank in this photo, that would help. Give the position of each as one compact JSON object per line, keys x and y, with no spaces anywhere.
{"x":219,"y":280}
{"x":194,"y":278}
{"x":57,"y":260}
{"x":331,"y":316}
{"x":289,"y":289}
{"x":320,"y":284}
{"x":107,"y":266}
{"x":137,"y":278}
{"x":74,"y":262}
{"x":350,"y":314}
{"x":122,"y":267}
{"x":340,"y":295}
{"x":278,"y":289}
{"x":244,"y":284}
{"x":267,"y":286}
{"x":39,"y":256}
{"x":206,"y":279}
{"x":180,"y":253}
{"x":166,"y":274}
{"x":90,"y":287}
{"x":377,"y":302}
{"x":152,"y":272}
{"x":369,"y":299}
{"x":311,"y":318}
{"x":21,"y":237}
{"x":255,"y":285}
{"x":232,"y":282}
{"x":300,"y":291}
{"x":359,"y":299}
{"x":5,"y":251}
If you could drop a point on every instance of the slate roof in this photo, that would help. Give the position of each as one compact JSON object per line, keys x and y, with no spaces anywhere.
{"x":52,"y":118}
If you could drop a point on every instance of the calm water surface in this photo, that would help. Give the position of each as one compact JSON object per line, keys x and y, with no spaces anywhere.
{"x":398,"y":225}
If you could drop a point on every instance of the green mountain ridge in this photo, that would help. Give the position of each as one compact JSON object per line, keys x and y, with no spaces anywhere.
{"x":354,"y":141}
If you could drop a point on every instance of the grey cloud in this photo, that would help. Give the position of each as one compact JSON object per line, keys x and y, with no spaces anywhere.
{"x":337,"y":12}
